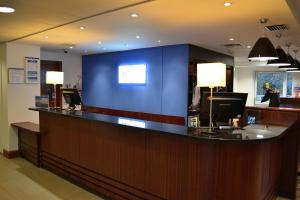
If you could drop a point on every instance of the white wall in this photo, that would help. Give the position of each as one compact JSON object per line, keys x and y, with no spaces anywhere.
{"x":17,"y":98}
{"x":71,"y":65}
{"x":3,"y":98}
{"x":244,"y":80}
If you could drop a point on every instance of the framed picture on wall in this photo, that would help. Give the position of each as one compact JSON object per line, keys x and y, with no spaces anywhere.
{"x":16,"y":76}
{"x":32,"y":70}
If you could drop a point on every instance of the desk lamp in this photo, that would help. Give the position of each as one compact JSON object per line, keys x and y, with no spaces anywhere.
{"x":54,"y":77}
{"x":211,"y":75}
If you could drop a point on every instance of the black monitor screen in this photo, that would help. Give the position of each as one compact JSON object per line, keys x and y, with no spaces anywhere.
{"x":71,"y":96}
{"x":226,"y":105}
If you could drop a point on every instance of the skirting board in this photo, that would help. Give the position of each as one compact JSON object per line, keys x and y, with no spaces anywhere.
{"x":10,"y":154}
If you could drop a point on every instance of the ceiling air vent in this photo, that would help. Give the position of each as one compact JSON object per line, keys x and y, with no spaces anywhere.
{"x":279,"y":27}
{"x":232,"y":45}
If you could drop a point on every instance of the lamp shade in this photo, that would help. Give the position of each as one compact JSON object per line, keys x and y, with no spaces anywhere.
{"x":292,"y":62}
{"x":54,"y":77}
{"x":263,"y":50}
{"x":297,"y":64}
{"x":282,"y":59}
{"x":211,"y":75}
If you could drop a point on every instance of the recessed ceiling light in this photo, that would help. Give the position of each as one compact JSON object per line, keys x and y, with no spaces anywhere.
{"x":71,"y":47}
{"x":82,"y":28}
{"x":6,"y":9}
{"x":46,"y":36}
{"x":99,"y":42}
{"x":231,"y":39}
{"x":249,"y":47}
{"x":227,"y":4}
{"x":159,"y":41}
{"x":134,"y":15}
{"x":137,"y":37}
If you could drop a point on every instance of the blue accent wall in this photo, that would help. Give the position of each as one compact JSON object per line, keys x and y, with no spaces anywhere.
{"x":165,"y":91}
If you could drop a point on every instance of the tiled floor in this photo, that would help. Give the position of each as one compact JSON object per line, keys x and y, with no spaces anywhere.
{"x":20,"y":180}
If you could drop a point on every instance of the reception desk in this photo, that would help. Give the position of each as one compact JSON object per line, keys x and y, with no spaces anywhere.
{"x":283,"y":116}
{"x":123,"y":158}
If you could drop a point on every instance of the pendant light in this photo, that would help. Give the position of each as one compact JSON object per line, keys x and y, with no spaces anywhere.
{"x":263,"y":50}
{"x":290,"y":59}
{"x":297,"y":64}
{"x":282,"y":57}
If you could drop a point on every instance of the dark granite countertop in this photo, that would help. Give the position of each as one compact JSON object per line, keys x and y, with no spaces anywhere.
{"x":249,"y":133}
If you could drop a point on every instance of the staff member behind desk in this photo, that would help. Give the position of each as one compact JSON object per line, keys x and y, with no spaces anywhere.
{"x":271,"y":94}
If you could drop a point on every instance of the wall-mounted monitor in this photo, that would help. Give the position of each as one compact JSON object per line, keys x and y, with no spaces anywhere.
{"x":132,"y":74}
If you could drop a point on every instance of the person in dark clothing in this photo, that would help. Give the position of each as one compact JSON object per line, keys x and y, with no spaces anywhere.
{"x":272,"y":95}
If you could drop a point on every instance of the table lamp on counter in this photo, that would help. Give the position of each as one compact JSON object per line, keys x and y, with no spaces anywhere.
{"x":211,"y":75}
{"x":55,"y":78}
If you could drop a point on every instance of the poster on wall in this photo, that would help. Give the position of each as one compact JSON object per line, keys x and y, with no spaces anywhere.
{"x":32,"y":70}
{"x":16,"y":75}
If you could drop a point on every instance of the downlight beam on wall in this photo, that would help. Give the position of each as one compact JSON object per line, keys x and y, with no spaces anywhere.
{"x":263,"y":49}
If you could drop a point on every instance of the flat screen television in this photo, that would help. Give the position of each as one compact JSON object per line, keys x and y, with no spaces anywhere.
{"x":132,"y":74}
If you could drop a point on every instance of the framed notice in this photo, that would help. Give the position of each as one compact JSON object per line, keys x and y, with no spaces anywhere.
{"x":16,"y":75}
{"x":32,"y":70}
{"x":42,"y":101}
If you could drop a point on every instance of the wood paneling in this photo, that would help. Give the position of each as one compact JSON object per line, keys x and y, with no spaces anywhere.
{"x":32,"y":127}
{"x":62,"y":138}
{"x":282,"y":109}
{"x":290,"y":143}
{"x":275,"y":116}
{"x":197,"y":54}
{"x":131,"y":163}
{"x":290,"y":161}
{"x":29,"y":146}
{"x":29,"y":141}
{"x":290,"y":102}
{"x":137,"y":115}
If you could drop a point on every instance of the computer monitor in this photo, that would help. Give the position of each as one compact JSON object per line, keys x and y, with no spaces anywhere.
{"x":72,"y":97}
{"x":226,"y":105}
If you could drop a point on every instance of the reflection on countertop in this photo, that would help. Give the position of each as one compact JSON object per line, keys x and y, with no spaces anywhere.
{"x":249,"y":133}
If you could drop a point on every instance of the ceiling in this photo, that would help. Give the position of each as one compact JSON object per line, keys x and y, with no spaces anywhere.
{"x":33,"y":16}
{"x":204,"y":23}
